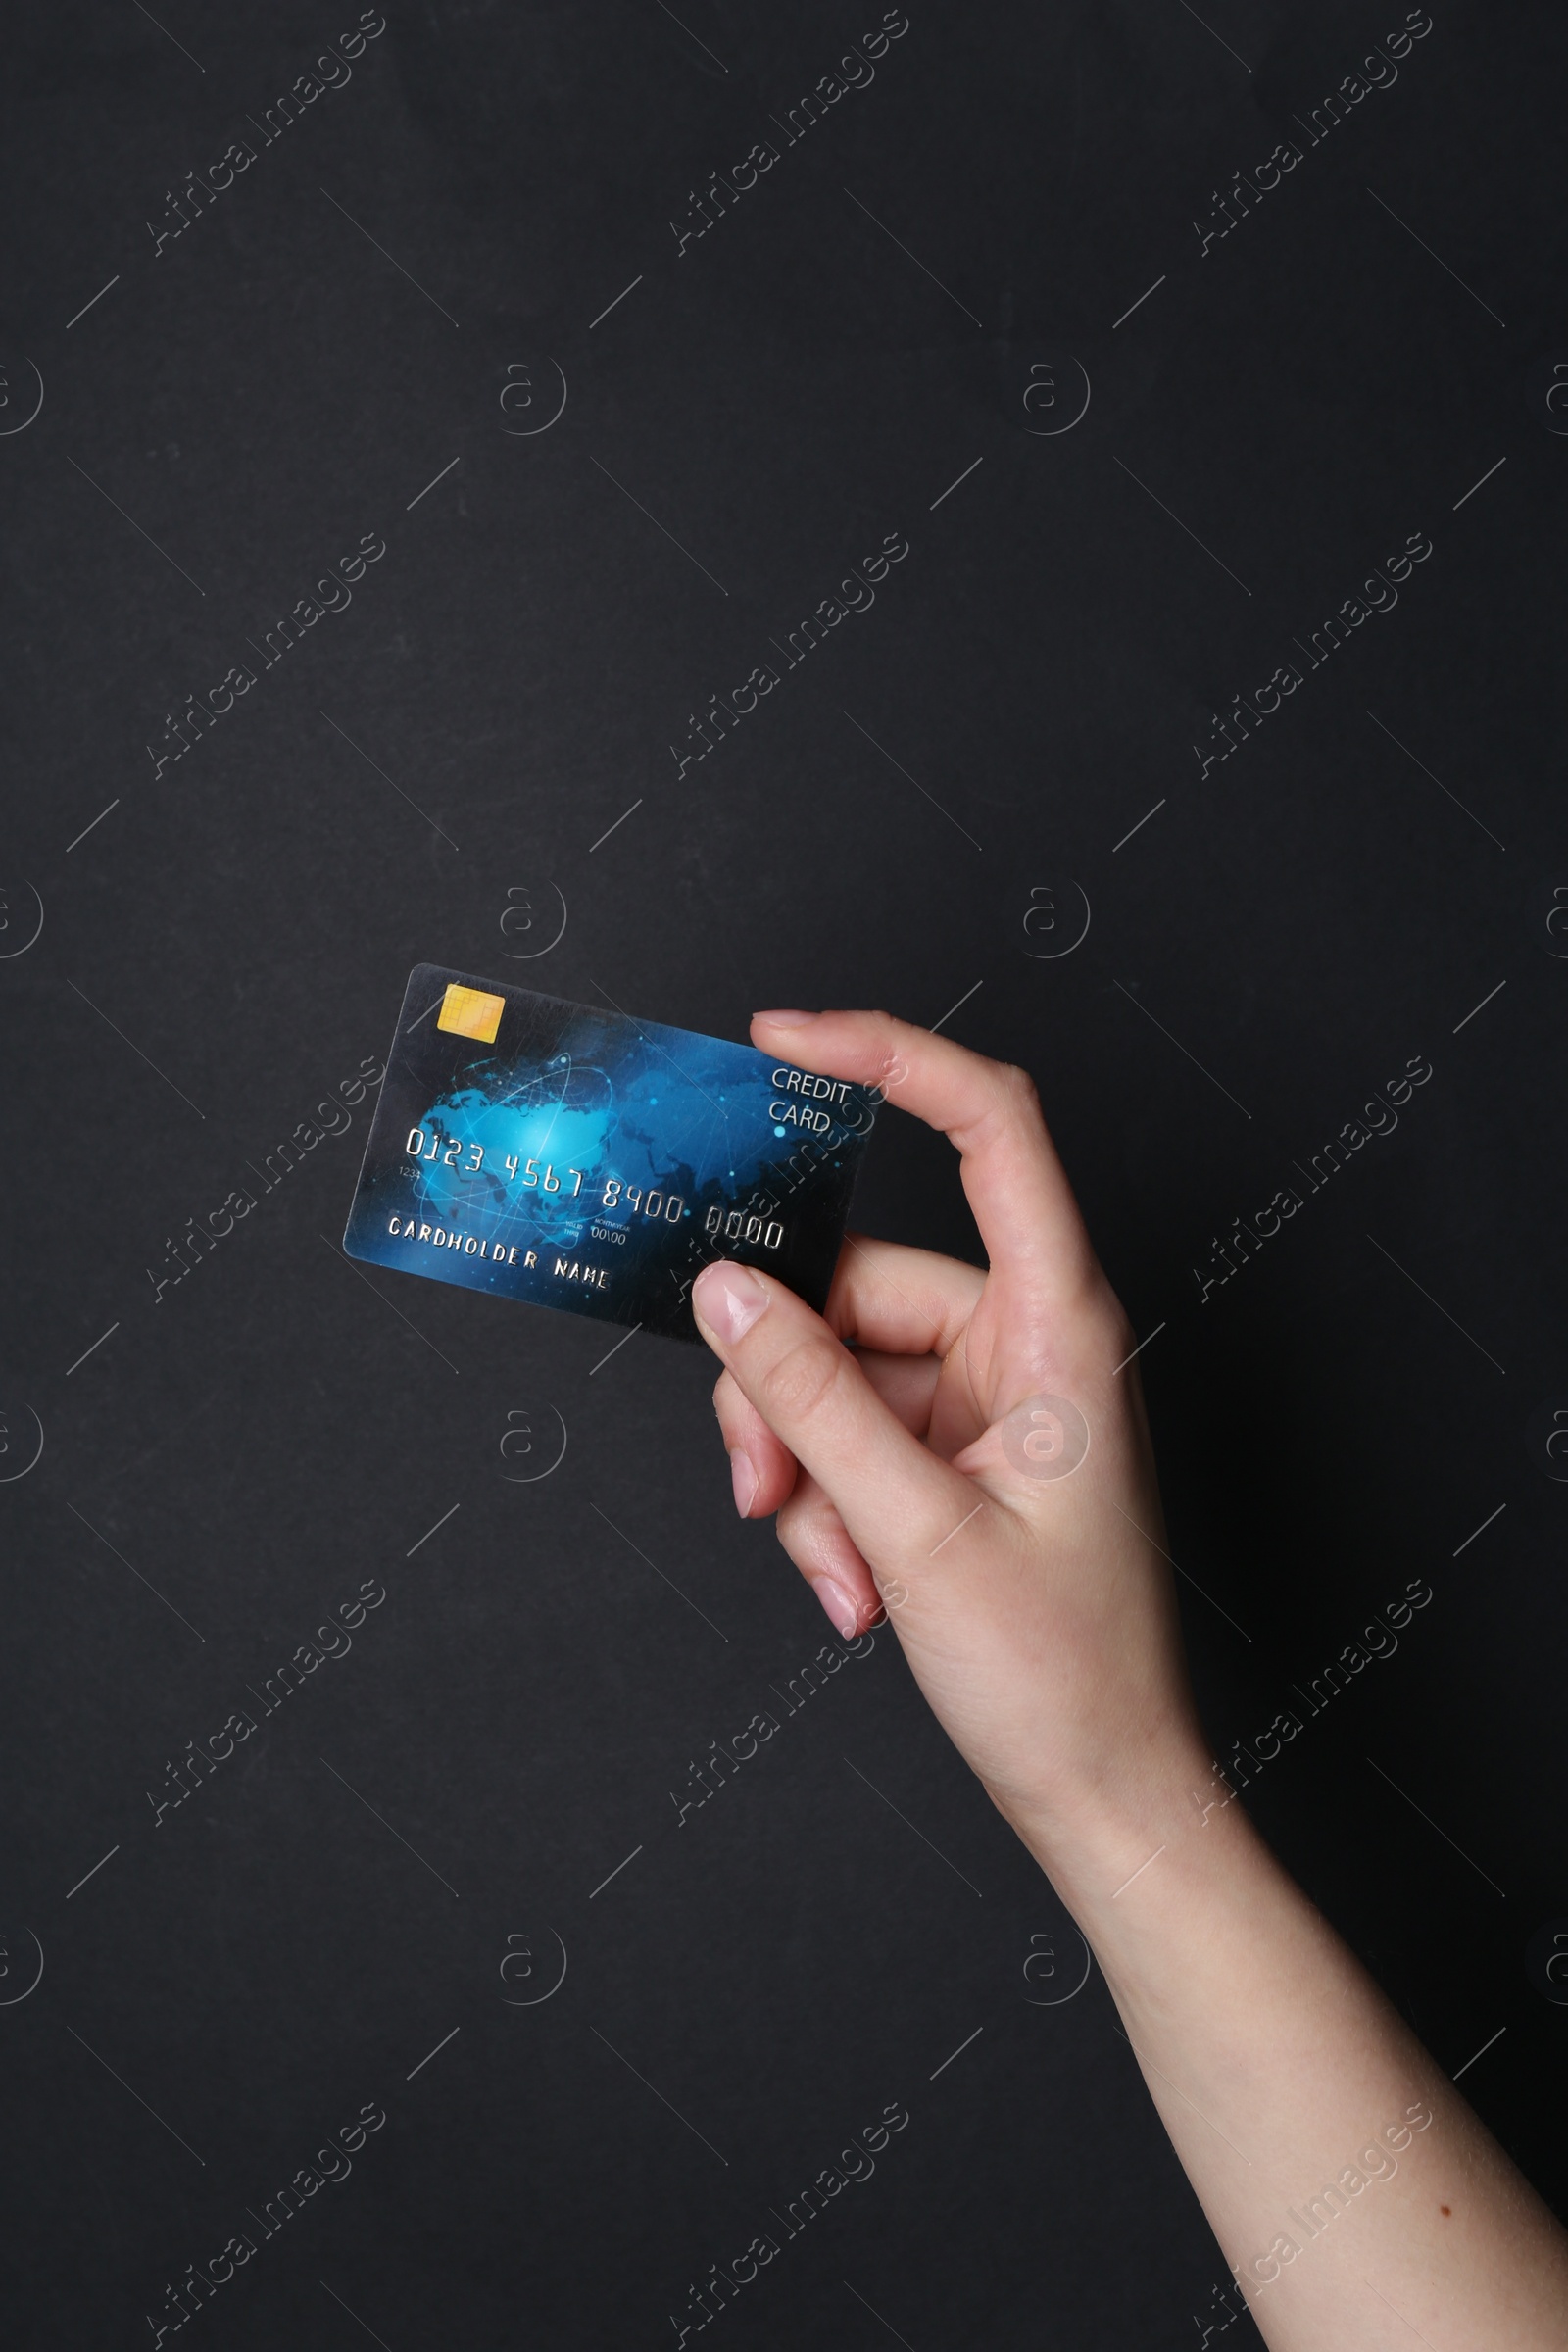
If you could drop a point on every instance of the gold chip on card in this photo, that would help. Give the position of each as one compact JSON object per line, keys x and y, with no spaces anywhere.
{"x":471,"y":1013}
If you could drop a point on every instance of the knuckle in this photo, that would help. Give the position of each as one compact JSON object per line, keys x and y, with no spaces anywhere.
{"x":1118,"y":1339}
{"x":802,"y":1379}
{"x":1018,"y":1089}
{"x":1005,"y":1103}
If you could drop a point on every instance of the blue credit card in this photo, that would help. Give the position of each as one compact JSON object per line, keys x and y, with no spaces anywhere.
{"x":582,"y":1159}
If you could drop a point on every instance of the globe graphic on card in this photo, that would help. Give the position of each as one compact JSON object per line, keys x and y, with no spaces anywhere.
{"x":549,"y":1133}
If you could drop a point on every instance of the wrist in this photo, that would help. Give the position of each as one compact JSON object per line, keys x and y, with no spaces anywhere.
{"x":1159,"y":1818}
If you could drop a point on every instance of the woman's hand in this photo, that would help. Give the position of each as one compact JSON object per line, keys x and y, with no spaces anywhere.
{"x":923,"y":1449}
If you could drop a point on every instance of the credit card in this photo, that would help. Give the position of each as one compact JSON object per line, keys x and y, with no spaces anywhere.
{"x":580,"y":1158}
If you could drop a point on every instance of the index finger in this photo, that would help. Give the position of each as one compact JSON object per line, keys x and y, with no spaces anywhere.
{"x":989,"y":1110}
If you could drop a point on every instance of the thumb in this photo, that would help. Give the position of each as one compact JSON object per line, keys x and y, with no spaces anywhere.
{"x":898,"y":1501}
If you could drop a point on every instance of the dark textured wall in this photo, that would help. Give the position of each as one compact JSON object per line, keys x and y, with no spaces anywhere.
{"x":1145,"y":441}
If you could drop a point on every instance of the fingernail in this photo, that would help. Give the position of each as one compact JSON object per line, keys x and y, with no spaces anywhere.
{"x":728,"y":1298}
{"x":841,"y":1609}
{"x":787,"y":1020}
{"x":745,"y":1479}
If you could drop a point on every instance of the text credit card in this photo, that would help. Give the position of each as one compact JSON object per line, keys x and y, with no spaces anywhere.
{"x":583,"y":1160}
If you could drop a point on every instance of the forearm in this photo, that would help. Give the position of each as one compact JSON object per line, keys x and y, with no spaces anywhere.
{"x":1344,"y":2175}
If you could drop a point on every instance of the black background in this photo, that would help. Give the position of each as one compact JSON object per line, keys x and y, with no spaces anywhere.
{"x":230,"y":940}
